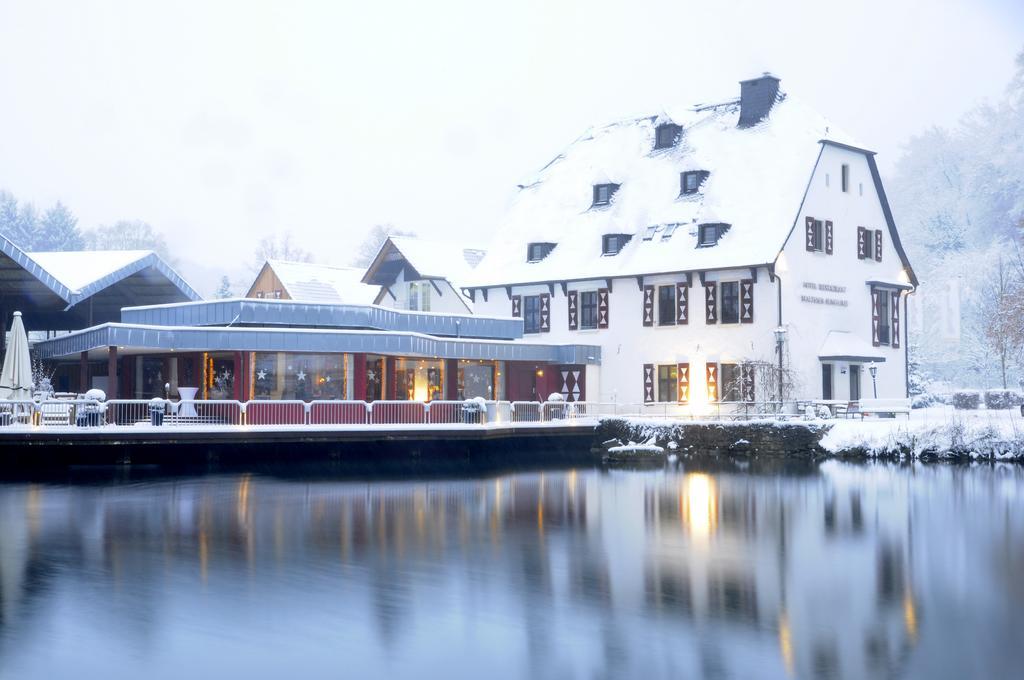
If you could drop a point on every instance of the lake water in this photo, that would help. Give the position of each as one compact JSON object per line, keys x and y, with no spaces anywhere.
{"x":840,"y":571}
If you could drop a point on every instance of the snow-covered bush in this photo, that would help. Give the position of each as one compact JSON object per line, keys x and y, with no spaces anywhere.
{"x":966,"y":400}
{"x":923,"y":400}
{"x":1003,"y":399}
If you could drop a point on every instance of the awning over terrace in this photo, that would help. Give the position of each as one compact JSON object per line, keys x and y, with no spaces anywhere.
{"x":845,"y":346}
{"x":142,"y":339}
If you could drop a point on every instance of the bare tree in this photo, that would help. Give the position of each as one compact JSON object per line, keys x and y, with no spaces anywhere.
{"x":1001,"y":308}
{"x":278,"y":248}
{"x":128,"y":235}
{"x":367,"y":250}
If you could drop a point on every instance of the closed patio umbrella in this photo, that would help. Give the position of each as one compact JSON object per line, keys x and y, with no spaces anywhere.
{"x":16,"y":377}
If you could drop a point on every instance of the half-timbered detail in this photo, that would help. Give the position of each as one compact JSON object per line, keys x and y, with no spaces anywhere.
{"x":878,"y":245}
{"x":648,"y":383}
{"x":862,"y":236}
{"x":602,"y":308}
{"x":682,"y":304}
{"x":648,"y":306}
{"x":517,"y":306}
{"x":545,"y":313}
{"x":683,"y":377}
{"x":809,"y":233}
{"x":828,"y":237}
{"x":894,"y":327}
{"x":747,"y":301}
{"x":573,"y":306}
{"x":876,"y":318}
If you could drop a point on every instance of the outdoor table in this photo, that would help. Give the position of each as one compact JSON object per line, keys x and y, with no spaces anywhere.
{"x":187,"y":405}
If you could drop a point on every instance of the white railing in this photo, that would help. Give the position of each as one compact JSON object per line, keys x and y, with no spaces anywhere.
{"x":339,"y":413}
{"x":388,"y":412}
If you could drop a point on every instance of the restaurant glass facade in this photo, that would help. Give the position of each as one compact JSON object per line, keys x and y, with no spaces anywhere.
{"x":286,"y":375}
{"x":419,"y":379}
{"x":479,"y":379}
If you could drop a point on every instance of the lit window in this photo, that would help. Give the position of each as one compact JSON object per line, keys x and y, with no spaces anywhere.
{"x":668,"y":383}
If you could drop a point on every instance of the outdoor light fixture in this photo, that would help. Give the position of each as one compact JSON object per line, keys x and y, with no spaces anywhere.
{"x":874,"y":382}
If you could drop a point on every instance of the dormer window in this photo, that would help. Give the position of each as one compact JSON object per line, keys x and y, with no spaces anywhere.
{"x":691,"y":181}
{"x":535,"y":252}
{"x":603,"y":193}
{"x":667,"y":135}
{"x":709,"y":234}
{"x":611,"y":244}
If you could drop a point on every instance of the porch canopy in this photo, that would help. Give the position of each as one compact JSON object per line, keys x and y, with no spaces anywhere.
{"x":70,"y":290}
{"x":845,"y":346}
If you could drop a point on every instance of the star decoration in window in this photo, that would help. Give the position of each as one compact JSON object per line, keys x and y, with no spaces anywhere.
{"x":261,"y":375}
{"x":301,"y":375}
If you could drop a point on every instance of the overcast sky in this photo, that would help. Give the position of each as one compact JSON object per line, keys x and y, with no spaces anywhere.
{"x":222,"y":122}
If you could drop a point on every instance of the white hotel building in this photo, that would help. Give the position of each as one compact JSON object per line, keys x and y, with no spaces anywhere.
{"x":681,"y":243}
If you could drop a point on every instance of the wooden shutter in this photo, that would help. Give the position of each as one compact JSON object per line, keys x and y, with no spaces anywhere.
{"x":747,"y":301}
{"x":682,"y":304}
{"x":878,"y":245}
{"x":894,"y":326}
{"x":747,"y":377}
{"x":828,"y":237}
{"x":602,"y":308}
{"x":711,"y":375}
{"x":517,"y":306}
{"x":648,"y":305}
{"x":710,"y":303}
{"x":648,"y":383}
{"x":875,"y":317}
{"x":862,"y":234}
{"x":683,"y":382}
{"x":572,"y":300}
{"x":809,"y":222}
{"x":545,"y":312}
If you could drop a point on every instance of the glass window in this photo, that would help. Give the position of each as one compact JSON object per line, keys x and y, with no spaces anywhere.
{"x":666,"y":136}
{"x":535,"y":252}
{"x":883,"y":317}
{"x":731,"y":380}
{"x":603,"y":193}
{"x":588,"y":309}
{"x":817,"y":236}
{"x":419,"y":296}
{"x":854,"y":382}
{"x":649,"y":232}
{"x":670,"y":229}
{"x":220,"y":377}
{"x":730,"y":294}
{"x":866,"y":249}
{"x":374,"y":378}
{"x":667,"y":383}
{"x":531,"y":313}
{"x":419,"y":379}
{"x":846,"y":177}
{"x":666,"y":305}
{"x":709,"y":234}
{"x":152,"y":378}
{"x":476,"y":379}
{"x":287,"y":375}
{"x":826,"y":381}
{"x":690,"y":181}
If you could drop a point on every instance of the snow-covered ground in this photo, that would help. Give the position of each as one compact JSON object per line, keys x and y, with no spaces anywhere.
{"x":941,"y":429}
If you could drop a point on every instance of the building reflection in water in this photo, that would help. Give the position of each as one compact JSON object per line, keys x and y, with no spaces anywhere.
{"x":584,"y":572}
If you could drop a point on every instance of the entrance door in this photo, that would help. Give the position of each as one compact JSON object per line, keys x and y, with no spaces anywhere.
{"x":854,"y":382}
{"x":826,"y":381}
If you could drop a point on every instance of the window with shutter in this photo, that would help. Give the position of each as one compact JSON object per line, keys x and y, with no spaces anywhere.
{"x":875,"y":317}
{"x":648,"y":383}
{"x":668,"y":383}
{"x":895,"y":325}
{"x":878,"y":245}
{"x":711,"y":378}
{"x":710,"y":303}
{"x":602,"y":308}
{"x":588,"y":309}
{"x":683,"y":374}
{"x":572,"y":304}
{"x":861,"y":242}
{"x":648,"y":310}
{"x":747,"y":301}
{"x":545,"y":313}
{"x":682,"y":304}
{"x":667,"y":305}
{"x":517,"y":306}
{"x":828,"y":237}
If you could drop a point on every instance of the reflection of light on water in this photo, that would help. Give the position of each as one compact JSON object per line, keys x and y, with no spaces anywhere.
{"x":910,"y":615}
{"x":698,"y":502}
{"x":32,"y":503}
{"x":786,"y":642}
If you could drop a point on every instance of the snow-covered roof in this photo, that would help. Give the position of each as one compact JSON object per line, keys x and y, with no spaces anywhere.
{"x":428,"y":259}
{"x":843,"y":345}
{"x":758,"y":176}
{"x":308,"y":282}
{"x":77,"y":269}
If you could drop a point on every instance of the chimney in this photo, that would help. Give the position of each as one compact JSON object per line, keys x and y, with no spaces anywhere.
{"x":757,"y":96}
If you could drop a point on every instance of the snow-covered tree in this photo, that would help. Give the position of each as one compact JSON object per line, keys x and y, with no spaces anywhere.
{"x":224,"y":289}
{"x":58,"y":230}
{"x":128,"y":235}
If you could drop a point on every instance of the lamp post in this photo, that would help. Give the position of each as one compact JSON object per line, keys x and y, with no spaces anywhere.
{"x":780,"y":339}
{"x":874,"y":374}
